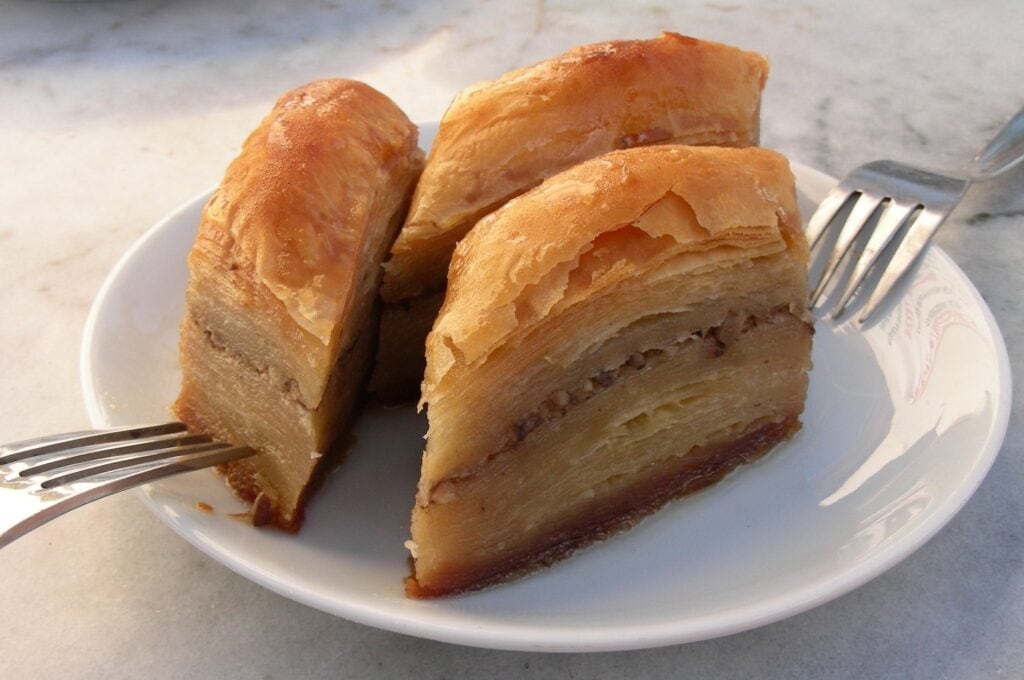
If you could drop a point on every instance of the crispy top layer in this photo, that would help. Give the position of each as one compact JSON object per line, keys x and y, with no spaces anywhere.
{"x":503,"y":137}
{"x":594,"y":226}
{"x":294,"y":207}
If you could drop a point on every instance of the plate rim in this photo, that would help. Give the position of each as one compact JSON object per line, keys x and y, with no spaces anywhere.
{"x":562,"y":638}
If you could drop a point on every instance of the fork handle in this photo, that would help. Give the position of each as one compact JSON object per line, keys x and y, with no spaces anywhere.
{"x":1002,"y":153}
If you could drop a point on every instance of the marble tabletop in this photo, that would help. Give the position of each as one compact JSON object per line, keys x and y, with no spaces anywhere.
{"x":114,"y":113}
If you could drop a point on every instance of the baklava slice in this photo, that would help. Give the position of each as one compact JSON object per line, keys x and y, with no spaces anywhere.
{"x":501,"y":138}
{"x":626,"y":333}
{"x":281,"y":308}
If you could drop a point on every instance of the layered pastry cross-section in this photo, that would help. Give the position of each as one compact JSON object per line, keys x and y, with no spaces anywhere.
{"x":281,"y":307}
{"x":503,"y":137}
{"x":628,"y":332}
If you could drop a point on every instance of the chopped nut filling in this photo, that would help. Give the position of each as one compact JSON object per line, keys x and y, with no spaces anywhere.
{"x":289,"y":386}
{"x":717,"y":339}
{"x":555,"y":406}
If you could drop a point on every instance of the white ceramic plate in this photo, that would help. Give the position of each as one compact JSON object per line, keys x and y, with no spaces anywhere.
{"x":902,"y":423}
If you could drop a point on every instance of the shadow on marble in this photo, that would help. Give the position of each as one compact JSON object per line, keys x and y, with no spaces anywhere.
{"x":124,"y":61}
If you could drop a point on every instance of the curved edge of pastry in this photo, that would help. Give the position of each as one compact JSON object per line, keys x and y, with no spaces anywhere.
{"x":281,"y":307}
{"x":270,"y":218}
{"x":510,"y":254}
{"x":502,"y":137}
{"x":593,"y":355}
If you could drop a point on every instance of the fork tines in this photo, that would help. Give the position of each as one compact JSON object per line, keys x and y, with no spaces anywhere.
{"x":896,"y":199}
{"x":37,"y":447}
{"x":44,"y":478}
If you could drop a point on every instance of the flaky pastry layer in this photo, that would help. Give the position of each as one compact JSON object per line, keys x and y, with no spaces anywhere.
{"x":281,"y":301}
{"x":573,"y":367}
{"x":501,"y":138}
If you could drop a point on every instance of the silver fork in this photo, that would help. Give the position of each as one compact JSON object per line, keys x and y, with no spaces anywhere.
{"x":905,"y":199}
{"x":41,"y":479}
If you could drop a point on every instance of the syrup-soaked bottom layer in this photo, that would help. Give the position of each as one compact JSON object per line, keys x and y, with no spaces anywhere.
{"x":678,"y":477}
{"x":233,"y":400}
{"x":590,"y":460}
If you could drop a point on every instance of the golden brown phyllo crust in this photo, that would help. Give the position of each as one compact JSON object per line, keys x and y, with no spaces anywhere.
{"x":503,"y":137}
{"x":625,"y":333}
{"x":281,"y":308}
